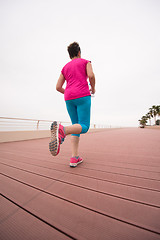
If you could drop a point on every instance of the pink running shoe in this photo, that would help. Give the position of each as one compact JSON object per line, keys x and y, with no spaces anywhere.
{"x":74,"y":161}
{"x":57,"y":138}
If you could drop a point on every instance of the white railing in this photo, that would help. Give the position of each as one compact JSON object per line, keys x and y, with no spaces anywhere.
{"x":24,"y":124}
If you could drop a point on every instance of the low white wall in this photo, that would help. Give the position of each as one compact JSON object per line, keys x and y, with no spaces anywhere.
{"x":23,"y":135}
{"x":11,"y":136}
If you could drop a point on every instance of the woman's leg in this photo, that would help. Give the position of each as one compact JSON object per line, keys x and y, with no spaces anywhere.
{"x":75,"y":146}
{"x":80,"y":114}
{"x":79,"y":111}
{"x":73,"y":129}
{"x":58,"y":133}
{"x":83,"y":110}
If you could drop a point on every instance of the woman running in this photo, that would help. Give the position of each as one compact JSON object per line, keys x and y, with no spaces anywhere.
{"x":78,"y":102}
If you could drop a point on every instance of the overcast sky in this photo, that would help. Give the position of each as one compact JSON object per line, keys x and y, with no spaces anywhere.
{"x":120,"y":37}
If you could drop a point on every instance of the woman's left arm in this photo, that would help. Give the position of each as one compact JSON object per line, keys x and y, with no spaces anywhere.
{"x":60,"y":82}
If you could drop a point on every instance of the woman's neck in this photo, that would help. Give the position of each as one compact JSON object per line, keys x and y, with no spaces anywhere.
{"x":75,"y":57}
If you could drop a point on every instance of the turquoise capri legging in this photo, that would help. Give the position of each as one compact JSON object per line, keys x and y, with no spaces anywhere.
{"x":79,"y":112}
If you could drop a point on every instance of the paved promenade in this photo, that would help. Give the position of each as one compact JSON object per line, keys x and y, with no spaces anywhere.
{"x":113,"y":195}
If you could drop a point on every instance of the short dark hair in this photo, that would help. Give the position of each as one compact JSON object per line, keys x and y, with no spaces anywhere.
{"x":73,"y":49}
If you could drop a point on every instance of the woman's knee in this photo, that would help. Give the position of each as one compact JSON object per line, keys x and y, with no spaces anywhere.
{"x":85,"y":128}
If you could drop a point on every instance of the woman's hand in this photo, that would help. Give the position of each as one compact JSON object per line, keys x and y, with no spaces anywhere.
{"x":92,"y":90}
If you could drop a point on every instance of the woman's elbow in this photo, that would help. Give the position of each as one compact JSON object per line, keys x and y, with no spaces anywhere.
{"x":58,"y":88}
{"x":91,"y":77}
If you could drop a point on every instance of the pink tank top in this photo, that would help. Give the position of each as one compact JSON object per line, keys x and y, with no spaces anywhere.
{"x":75,"y":75}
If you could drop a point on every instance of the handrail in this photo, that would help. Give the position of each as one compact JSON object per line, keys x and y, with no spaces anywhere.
{"x":37,"y":121}
{"x":28,"y":119}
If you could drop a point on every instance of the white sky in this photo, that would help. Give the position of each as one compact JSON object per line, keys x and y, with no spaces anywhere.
{"x":120,"y":37}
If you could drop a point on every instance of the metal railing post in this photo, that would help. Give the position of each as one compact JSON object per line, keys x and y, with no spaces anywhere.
{"x":38,"y":125}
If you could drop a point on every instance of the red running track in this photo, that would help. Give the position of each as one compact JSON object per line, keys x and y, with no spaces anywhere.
{"x":114,"y":194}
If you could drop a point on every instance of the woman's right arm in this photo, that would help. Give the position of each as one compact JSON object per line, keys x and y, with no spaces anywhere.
{"x":60,"y":82}
{"x":91,"y":77}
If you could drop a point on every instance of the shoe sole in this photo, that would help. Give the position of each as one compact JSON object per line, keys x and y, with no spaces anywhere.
{"x":54,"y":143}
{"x":75,"y":164}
